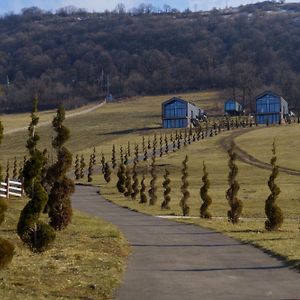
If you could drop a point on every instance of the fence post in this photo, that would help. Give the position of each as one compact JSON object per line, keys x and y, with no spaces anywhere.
{"x":7,"y":187}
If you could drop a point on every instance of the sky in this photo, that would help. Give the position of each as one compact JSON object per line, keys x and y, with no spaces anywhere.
{"x":15,"y":6}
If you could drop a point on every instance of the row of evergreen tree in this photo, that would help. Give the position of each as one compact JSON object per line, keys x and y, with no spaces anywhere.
{"x":128,"y":184}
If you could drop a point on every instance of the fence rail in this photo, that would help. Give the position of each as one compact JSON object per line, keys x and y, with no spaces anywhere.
{"x":11,"y":188}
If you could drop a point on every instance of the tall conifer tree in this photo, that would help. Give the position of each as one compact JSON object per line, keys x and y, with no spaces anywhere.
{"x":36,"y":234}
{"x":60,"y":207}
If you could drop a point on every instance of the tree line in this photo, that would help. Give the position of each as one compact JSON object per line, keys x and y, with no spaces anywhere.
{"x":73,"y":57}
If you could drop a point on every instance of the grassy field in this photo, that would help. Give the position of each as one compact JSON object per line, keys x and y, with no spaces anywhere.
{"x":120,"y":122}
{"x":254,"y":191}
{"x":258,"y":144}
{"x":86,"y":261}
{"x":116,"y":122}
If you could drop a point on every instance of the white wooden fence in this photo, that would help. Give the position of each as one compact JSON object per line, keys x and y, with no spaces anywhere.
{"x":11,"y":188}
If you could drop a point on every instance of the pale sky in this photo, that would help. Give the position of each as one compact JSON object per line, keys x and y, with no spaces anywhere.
{"x":101,"y":5}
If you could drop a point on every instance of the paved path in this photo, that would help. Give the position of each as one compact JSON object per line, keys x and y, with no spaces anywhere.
{"x":173,"y":261}
{"x":69,"y":115}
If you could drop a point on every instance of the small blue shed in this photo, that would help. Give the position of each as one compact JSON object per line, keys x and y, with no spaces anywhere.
{"x":179,"y":113}
{"x":233,"y":108}
{"x":271,"y":108}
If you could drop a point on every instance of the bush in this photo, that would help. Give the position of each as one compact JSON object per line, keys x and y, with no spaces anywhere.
{"x":143,"y":196}
{"x":185,"y":193}
{"x":273,"y":211}
{"x":128,"y":186}
{"x":153,"y":188}
{"x":167,"y":191}
{"x":107,"y":173}
{"x":122,"y":178}
{"x":37,"y":235}
{"x":236,"y":205}
{"x":135,"y":185}
{"x":204,"y":213}
{"x":7,"y":251}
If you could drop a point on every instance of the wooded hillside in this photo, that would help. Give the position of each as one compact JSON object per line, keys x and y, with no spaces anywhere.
{"x":69,"y":56}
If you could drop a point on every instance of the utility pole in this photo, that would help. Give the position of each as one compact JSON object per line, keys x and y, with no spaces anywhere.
{"x":108,"y":86}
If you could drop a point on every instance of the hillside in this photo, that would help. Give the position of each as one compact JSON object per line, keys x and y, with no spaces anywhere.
{"x":75,"y":56}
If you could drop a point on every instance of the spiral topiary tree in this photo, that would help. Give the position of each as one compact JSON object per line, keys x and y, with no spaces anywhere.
{"x":59,"y":204}
{"x":121,"y":178}
{"x":94,"y":161}
{"x":236,"y":205}
{"x":143,"y":143}
{"x":272,"y":210}
{"x":145,"y":155}
{"x":153,"y":188}
{"x":113,"y":157}
{"x":107,"y":173}
{"x":167,"y":191}
{"x":128,"y":149}
{"x":161,"y":150}
{"x":15,"y":169}
{"x":126,"y":159}
{"x":121,"y":155}
{"x":6,"y":247}
{"x":184,"y":189}
{"x":204,"y":213}
{"x":143,"y":196}
{"x":135,"y":185}
{"x":136,"y":153}
{"x":128,"y":185}
{"x":166,"y":145}
{"x":77,"y":168}
{"x":103,"y":161}
{"x":82,"y":166}
{"x":37,"y":235}
{"x":91,"y":169}
{"x":7,"y":171}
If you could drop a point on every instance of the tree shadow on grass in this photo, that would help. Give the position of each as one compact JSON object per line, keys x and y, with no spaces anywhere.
{"x":128,"y":131}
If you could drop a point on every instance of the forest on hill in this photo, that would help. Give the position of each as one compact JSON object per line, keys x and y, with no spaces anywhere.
{"x":74,"y":57}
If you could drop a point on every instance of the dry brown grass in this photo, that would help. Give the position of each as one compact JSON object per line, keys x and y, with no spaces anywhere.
{"x":85,"y":262}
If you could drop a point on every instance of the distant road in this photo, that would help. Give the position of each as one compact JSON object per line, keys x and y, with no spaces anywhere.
{"x":68,"y":116}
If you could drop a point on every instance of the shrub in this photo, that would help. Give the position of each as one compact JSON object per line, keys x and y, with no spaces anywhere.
{"x":15,"y":169}
{"x":184,"y":189}
{"x":204,"y":213}
{"x":143,"y":196}
{"x":153,"y":189}
{"x":113,"y":157}
{"x":135,"y":185}
{"x":38,"y":236}
{"x":236,"y":205}
{"x":59,"y":204}
{"x":121,"y":155}
{"x":167,"y":191}
{"x":272,"y":210}
{"x":136,"y":153}
{"x":7,"y":251}
{"x":107,"y":173}
{"x":121,"y":178}
{"x":77,"y":167}
{"x":128,"y":185}
{"x":102,"y":162}
{"x":82,"y":166}
{"x":91,"y":169}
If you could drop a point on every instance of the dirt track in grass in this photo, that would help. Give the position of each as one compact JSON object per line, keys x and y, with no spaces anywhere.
{"x":245,"y":157}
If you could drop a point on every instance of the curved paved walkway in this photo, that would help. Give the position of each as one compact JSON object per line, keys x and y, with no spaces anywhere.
{"x":173,"y":261}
